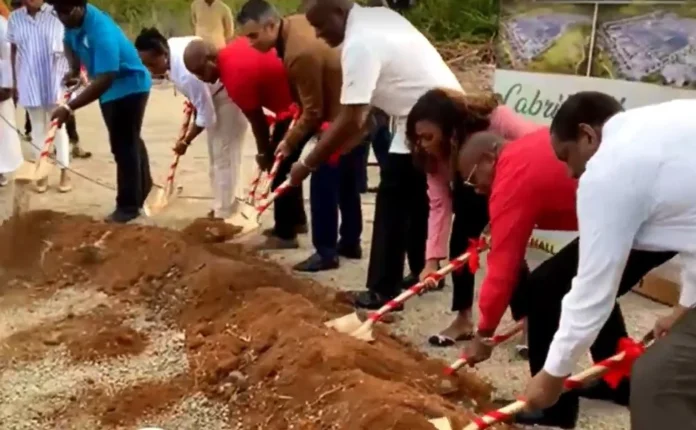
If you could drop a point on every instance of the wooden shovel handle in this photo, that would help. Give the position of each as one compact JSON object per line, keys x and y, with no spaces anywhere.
{"x":188,"y":115}
{"x":419,"y":287}
{"x":494,"y":341}
{"x":508,"y":412}
{"x":281,"y":189}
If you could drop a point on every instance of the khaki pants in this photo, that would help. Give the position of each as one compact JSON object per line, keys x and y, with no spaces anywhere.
{"x":663,"y":381}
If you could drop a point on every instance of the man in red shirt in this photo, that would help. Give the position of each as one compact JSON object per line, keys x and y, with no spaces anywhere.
{"x":256,"y":81}
{"x":529,"y":188}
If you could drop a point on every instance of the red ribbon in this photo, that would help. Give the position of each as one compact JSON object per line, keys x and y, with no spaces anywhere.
{"x":475,"y":245}
{"x":619,"y":370}
{"x":293,"y":112}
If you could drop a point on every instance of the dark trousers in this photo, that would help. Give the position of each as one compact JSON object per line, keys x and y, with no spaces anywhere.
{"x":470,"y":218}
{"x":124,"y":120}
{"x":70,"y":128}
{"x":545,"y":289}
{"x":380,"y":140}
{"x":663,"y":380}
{"x":335,"y":189}
{"x":400,"y":225}
{"x":288,"y":209}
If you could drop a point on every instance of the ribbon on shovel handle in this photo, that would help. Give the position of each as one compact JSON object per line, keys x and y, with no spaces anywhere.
{"x":53,"y":129}
{"x":618,"y":362}
{"x":188,"y":114}
{"x":494,"y":341}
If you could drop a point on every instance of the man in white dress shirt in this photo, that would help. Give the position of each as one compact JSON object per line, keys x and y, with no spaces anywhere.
{"x":637,"y":170}
{"x":389,"y":64}
{"x":10,"y":150}
{"x":39,"y":63}
{"x":224,"y":122}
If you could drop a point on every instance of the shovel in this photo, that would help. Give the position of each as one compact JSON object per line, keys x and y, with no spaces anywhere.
{"x":248,"y":216}
{"x":363,"y":330}
{"x":493,"y":341}
{"x":161,"y":197}
{"x":28,"y":173}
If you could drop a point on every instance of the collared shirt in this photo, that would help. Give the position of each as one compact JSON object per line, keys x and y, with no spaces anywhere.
{"x":389,"y":64}
{"x":253,"y":79}
{"x":636,"y":193}
{"x":212,"y":22}
{"x":198,"y":92}
{"x":41,"y":62}
{"x":102,"y":47}
{"x":314,"y":71}
{"x":531,"y":189}
{"x":5,"y":60}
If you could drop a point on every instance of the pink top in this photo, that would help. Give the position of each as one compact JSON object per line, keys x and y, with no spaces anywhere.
{"x":505,"y":122}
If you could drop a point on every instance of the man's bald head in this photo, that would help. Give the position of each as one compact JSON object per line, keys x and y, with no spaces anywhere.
{"x":328,"y":17}
{"x":200,"y":58}
{"x":476,"y":160}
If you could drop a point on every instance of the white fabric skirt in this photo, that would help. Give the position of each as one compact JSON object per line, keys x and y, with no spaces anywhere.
{"x":10,"y":147}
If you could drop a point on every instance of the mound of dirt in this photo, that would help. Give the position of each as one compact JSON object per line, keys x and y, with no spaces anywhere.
{"x":254,"y":334}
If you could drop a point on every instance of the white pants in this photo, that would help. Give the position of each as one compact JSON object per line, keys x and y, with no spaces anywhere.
{"x":10,"y":147}
{"x":40,"y":123}
{"x":225,"y":143}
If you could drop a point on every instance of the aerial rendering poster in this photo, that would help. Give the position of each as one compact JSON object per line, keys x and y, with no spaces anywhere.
{"x":643,"y":41}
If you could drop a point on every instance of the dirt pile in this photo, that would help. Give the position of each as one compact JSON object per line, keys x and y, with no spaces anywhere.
{"x":254,"y":335}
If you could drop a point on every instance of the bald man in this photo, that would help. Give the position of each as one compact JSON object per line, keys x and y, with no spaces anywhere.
{"x":256,"y":81}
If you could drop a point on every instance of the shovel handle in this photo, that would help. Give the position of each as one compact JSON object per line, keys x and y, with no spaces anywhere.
{"x":494,"y":341}
{"x":575,"y":381}
{"x":188,"y":114}
{"x":280,"y":190}
{"x":270,"y":176}
{"x":417,"y":288}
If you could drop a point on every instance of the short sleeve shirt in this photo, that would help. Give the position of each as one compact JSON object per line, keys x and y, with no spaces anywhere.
{"x":254,"y":79}
{"x":102,"y":47}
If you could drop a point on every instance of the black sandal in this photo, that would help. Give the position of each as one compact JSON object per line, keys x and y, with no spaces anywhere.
{"x":442,"y":341}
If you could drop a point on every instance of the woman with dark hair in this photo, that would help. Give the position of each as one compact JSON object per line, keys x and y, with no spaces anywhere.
{"x":214,"y":112}
{"x":439,"y":122}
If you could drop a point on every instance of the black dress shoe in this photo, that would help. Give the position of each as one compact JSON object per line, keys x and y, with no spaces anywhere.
{"x":538,"y":418}
{"x":412,"y":280}
{"x":121,"y":216}
{"x":600,"y":390}
{"x":373,"y":301}
{"x":316,"y":263}
{"x":350,"y":252}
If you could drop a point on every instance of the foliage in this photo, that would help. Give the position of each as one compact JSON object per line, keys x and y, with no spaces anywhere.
{"x":441,"y":20}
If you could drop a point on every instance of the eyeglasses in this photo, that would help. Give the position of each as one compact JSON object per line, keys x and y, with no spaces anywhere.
{"x":469,"y":179}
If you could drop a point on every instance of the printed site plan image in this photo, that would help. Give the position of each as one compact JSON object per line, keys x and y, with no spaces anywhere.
{"x":652,"y":43}
{"x":545,"y":37}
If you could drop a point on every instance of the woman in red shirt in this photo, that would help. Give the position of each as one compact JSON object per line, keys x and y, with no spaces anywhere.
{"x":439,"y":123}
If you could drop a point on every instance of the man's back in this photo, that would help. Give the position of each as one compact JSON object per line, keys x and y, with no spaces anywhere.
{"x":212,"y":21}
{"x":254,"y":79}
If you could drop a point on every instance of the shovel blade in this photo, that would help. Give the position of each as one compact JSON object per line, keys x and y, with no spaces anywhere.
{"x":345,"y":324}
{"x":159,"y":199}
{"x":246,"y":217}
{"x":364,"y":332}
{"x":26,"y":173}
{"x":441,"y":423}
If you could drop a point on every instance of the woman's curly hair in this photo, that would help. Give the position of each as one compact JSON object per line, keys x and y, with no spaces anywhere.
{"x":457,"y":114}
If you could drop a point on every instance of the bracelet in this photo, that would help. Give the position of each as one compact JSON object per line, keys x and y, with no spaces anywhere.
{"x":311,"y":169}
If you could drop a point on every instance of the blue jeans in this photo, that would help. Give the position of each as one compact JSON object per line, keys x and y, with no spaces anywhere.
{"x":335,"y":189}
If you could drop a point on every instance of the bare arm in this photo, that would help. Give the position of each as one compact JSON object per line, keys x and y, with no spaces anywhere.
{"x":345,"y":132}
{"x":73,"y":61}
{"x":259,"y":126}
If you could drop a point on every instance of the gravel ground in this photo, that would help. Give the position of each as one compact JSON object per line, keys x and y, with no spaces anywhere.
{"x":34,"y":388}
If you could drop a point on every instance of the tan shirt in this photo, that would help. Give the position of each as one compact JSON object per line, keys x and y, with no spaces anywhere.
{"x":213,"y":22}
{"x":314,"y":72}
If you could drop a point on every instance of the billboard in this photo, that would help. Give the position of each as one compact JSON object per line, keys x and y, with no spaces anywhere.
{"x":640,"y":52}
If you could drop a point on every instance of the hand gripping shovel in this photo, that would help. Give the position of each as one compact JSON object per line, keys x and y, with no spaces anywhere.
{"x":159,"y":198}
{"x":620,"y":363}
{"x":28,"y":172}
{"x":248,"y":216}
{"x":352,"y":324}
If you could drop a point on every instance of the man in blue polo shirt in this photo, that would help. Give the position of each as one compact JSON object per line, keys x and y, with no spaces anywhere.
{"x":122,"y":84}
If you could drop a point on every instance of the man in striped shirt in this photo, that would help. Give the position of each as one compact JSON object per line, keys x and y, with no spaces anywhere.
{"x":38,"y":60}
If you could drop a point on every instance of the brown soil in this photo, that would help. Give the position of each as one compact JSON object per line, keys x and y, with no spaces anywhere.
{"x":254,"y":334}
{"x":97,"y":335}
{"x":206,"y":230}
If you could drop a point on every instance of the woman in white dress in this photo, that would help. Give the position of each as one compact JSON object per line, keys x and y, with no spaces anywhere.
{"x":10,"y":149}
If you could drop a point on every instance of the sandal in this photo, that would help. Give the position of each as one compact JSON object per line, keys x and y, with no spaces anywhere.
{"x":522,"y":351}
{"x":443,"y":341}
